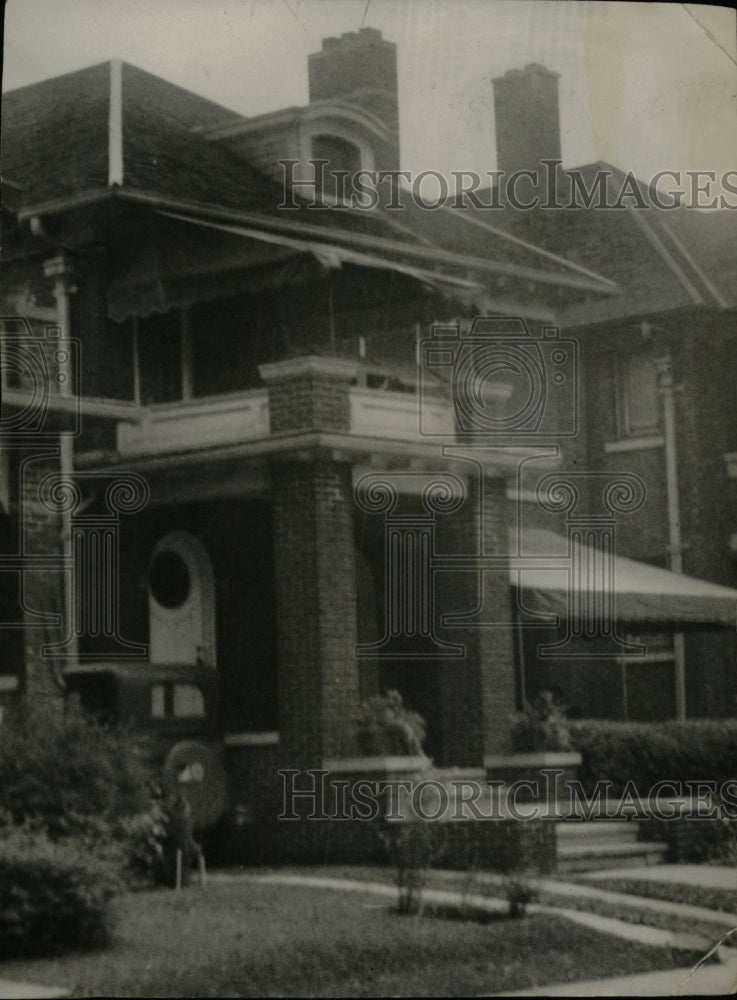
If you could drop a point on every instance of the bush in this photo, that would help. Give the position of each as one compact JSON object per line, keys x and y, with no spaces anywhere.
{"x":645,"y":753}
{"x":66,"y":776}
{"x":143,"y":840}
{"x":413,"y":847}
{"x":60,"y":768}
{"x":519,"y":893}
{"x":52,"y":896}
{"x":386,"y":727}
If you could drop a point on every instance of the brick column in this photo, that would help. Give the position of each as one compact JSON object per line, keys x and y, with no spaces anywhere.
{"x":315,"y":563}
{"x":478,"y":692}
{"x":43,"y":588}
{"x":316,"y":610}
{"x":496,"y":645}
{"x":458,"y":679}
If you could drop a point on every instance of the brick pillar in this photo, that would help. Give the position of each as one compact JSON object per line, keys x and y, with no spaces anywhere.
{"x":316,"y":609}
{"x":459,"y":679}
{"x":309,"y":394}
{"x":478,"y":692}
{"x":496,"y":645}
{"x":43,"y":588}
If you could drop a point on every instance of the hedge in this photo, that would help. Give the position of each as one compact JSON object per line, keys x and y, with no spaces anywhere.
{"x":52,"y":897}
{"x":645,"y":753}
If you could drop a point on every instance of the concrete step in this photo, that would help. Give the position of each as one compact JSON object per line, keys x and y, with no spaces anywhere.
{"x":588,"y":856}
{"x":596,"y":830}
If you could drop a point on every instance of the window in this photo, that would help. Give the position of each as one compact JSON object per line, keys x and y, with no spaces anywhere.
{"x":649,"y":684}
{"x":225,"y":337}
{"x":159,"y":350}
{"x":341,"y":155}
{"x":178,"y":701}
{"x":638,"y":401}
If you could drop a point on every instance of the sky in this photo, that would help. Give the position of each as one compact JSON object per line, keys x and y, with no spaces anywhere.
{"x":644,"y":86}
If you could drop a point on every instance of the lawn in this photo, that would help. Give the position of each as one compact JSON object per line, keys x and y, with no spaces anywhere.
{"x":250,"y":939}
{"x":672,"y":892}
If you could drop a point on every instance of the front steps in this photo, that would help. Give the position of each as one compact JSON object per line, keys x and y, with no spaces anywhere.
{"x":595,"y":844}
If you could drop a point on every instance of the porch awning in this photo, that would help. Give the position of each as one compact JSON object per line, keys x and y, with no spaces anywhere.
{"x":640,"y":593}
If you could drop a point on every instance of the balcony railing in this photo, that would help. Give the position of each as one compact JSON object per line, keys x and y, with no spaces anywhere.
{"x":396,"y":415}
{"x":243,"y":417}
{"x":194,"y":424}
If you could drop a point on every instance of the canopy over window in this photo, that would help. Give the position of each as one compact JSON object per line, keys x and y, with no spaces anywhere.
{"x":641,"y":593}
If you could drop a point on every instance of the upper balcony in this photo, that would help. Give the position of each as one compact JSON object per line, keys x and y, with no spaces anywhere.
{"x":309,"y":399}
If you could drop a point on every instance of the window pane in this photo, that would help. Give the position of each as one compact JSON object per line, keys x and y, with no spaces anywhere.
{"x":188,"y":701}
{"x":157,"y":701}
{"x":341,"y":155}
{"x":639,"y":405}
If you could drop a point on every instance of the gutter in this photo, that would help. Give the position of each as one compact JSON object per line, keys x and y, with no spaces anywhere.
{"x":600,"y":286}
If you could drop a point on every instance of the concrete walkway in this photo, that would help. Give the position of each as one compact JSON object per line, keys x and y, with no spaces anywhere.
{"x":10,"y":990}
{"x":706,"y":876}
{"x":711,"y":980}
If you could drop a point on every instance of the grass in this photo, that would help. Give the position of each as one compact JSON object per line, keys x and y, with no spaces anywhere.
{"x":672,"y":892}
{"x":249,"y":939}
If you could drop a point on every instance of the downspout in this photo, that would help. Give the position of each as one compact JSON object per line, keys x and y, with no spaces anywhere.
{"x":59,"y":269}
{"x":675,"y":547}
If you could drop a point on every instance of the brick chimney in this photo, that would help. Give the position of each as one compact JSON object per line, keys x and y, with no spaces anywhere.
{"x":359,"y":67}
{"x":527,"y":122}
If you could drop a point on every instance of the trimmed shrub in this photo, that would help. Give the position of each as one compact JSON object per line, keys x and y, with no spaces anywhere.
{"x":645,"y":753}
{"x":53,"y":897}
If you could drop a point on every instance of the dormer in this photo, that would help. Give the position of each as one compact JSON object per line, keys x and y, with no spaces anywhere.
{"x":351,"y":120}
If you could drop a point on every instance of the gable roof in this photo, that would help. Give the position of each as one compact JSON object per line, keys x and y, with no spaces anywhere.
{"x":661,"y":259}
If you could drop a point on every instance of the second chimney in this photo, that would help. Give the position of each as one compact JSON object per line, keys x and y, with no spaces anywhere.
{"x":527,"y":119}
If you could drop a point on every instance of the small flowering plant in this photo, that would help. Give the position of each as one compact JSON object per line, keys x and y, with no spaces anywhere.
{"x":542,"y":727}
{"x":385,"y":726}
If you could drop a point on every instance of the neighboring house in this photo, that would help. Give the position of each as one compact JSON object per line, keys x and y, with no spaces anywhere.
{"x":241,"y":368}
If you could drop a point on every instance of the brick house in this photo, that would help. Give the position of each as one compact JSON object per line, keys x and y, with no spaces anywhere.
{"x":243,"y":384}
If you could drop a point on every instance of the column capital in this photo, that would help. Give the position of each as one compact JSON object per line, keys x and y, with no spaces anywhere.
{"x":339,"y":369}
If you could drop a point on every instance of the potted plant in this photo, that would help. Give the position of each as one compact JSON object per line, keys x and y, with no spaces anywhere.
{"x":386,"y":727}
{"x":542,"y":749}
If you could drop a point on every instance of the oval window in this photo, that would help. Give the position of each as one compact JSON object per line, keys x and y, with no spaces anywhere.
{"x":169,"y":579}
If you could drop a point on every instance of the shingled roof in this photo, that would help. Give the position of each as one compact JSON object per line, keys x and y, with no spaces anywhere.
{"x":116,"y":131}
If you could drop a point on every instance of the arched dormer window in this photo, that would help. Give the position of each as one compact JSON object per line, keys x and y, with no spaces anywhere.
{"x":342,"y":155}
